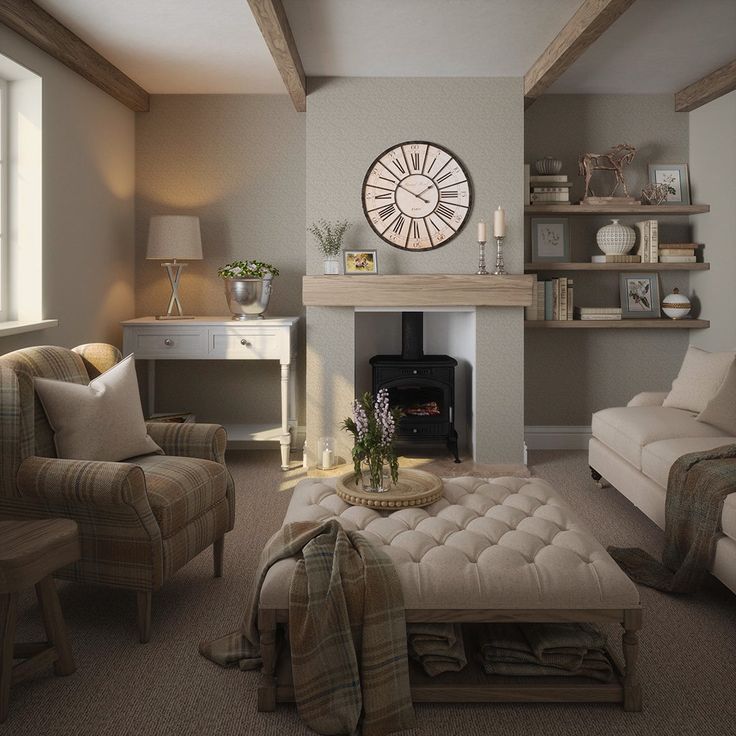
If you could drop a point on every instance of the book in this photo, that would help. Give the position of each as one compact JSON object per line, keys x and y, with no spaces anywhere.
{"x":548,"y":301}
{"x":677,"y":259}
{"x":531,"y":312}
{"x":616,"y":259}
{"x":540,"y":301}
{"x":555,"y":299}
{"x":653,"y":241}
{"x":683,"y":246}
{"x":549,"y":197}
{"x":551,"y":190}
{"x":569,"y":299}
{"x":599,"y":317}
{"x":598,"y":310}
{"x":562,"y":309}
{"x":676,"y":252}
{"x":643,"y":248}
{"x":547,"y":178}
{"x":552,"y":187}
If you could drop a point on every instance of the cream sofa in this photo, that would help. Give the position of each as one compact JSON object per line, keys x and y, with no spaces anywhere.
{"x":633,"y":448}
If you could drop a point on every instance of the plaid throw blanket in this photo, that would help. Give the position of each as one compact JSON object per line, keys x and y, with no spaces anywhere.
{"x":346,"y":629}
{"x":696,"y":488}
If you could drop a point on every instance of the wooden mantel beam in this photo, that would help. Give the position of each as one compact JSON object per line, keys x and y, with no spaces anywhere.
{"x":709,"y":88}
{"x":590,"y":21}
{"x":274,"y":25}
{"x":43,"y":30}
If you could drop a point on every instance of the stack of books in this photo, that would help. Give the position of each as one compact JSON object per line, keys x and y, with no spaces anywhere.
{"x":648,"y":248}
{"x":551,"y":300}
{"x":616,"y":259}
{"x":594,"y":314}
{"x":550,"y":189}
{"x":678,"y":252}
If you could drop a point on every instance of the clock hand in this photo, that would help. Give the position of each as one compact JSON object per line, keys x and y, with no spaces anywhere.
{"x":418,"y":196}
{"x":425,"y":190}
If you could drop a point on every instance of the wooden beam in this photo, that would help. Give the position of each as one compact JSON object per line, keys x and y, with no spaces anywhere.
{"x":274,"y":25}
{"x":591,"y":19}
{"x":709,"y":88}
{"x":43,"y":30}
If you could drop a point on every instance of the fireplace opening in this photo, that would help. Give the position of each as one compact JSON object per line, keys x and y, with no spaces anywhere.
{"x":422,"y":386}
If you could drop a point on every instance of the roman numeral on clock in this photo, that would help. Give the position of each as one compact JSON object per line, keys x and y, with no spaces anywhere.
{"x":387,"y":195}
{"x":398,"y":224}
{"x":415,"y":161}
{"x":398,"y":165}
{"x":444,"y":210}
{"x":449,"y":194}
{"x":415,"y":229}
{"x":444,"y":176}
{"x":387,"y":211}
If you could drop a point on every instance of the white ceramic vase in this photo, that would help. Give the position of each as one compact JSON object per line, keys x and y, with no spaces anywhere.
{"x":331,"y":266}
{"x":615,"y":239}
{"x":676,"y":305}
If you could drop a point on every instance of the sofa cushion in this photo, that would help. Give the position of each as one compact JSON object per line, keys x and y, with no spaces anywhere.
{"x":180,"y":489}
{"x":657,"y":459}
{"x":701,"y":375}
{"x":627,"y":429}
{"x":721,"y":409}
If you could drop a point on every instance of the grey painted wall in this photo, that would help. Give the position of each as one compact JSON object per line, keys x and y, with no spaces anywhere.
{"x":571,"y":374}
{"x":712,"y":166}
{"x":88,"y":183}
{"x":238,"y":163}
{"x":349,"y":122}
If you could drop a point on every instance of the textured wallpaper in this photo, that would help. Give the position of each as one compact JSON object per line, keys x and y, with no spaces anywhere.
{"x":570,"y":374}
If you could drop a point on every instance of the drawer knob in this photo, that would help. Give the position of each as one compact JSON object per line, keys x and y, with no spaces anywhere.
{"x":415,"y":430}
{"x":245,"y":342}
{"x":168,"y":341}
{"x":414,"y":372}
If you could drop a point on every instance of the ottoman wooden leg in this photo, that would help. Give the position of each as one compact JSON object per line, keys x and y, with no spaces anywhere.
{"x":8,"y":612}
{"x":267,"y":689}
{"x":53,"y":621}
{"x":632,"y":688}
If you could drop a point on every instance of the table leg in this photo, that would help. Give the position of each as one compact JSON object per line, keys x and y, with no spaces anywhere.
{"x":8,"y":608}
{"x":151,"y":387}
{"x":632,"y":688}
{"x":285,"y":437}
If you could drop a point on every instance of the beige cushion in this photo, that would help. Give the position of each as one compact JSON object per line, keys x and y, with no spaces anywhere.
{"x":699,"y":379}
{"x":627,"y":429}
{"x":505,"y":543}
{"x":721,"y":409}
{"x":657,"y":459}
{"x":100,"y":421}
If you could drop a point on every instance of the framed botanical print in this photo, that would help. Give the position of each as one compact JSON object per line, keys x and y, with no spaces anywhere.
{"x":360,"y":261}
{"x":675,"y":178}
{"x":639,"y":295}
{"x":550,"y":239}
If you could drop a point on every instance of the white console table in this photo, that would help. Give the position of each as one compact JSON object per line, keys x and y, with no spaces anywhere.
{"x":221,"y":338}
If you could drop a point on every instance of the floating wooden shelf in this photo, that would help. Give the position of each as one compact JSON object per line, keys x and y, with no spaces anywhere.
{"x":620,"y":324}
{"x":645,"y":210}
{"x":585,"y":266}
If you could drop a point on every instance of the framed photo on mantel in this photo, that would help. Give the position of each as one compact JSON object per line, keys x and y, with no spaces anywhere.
{"x":360,"y":262}
{"x":550,"y":239}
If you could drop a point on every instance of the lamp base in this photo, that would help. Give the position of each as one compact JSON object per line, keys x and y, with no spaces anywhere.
{"x":174,"y":316}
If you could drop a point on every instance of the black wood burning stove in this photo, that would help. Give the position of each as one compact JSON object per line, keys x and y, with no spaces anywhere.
{"x":423,"y":386}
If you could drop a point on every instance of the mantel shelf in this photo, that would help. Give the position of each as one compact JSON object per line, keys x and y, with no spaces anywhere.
{"x":645,"y":210}
{"x":585,"y":266}
{"x":620,"y":324}
{"x":418,"y":290}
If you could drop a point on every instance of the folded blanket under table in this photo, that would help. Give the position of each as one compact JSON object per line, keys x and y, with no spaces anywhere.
{"x":501,"y":550}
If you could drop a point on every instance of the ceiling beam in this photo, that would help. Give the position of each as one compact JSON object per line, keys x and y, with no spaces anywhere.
{"x":274,"y":25}
{"x":43,"y":30}
{"x":709,"y":88}
{"x":590,"y":21}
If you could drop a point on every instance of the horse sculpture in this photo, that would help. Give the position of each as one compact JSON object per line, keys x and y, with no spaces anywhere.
{"x":614,"y":160}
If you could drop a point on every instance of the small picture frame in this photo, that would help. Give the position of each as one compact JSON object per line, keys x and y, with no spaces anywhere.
{"x":359,"y":262}
{"x":640,"y":297}
{"x":675,"y":176}
{"x":550,"y":239}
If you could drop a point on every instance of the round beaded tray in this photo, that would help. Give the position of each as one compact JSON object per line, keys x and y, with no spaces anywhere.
{"x":414,"y":488}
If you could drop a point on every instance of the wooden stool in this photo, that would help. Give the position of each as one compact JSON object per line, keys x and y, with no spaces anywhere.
{"x":30,"y":551}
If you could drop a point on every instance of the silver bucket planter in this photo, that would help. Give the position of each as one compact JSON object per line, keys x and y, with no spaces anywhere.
{"x":248,"y":298}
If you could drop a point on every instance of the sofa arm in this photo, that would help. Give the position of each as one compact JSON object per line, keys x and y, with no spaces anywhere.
{"x":205,"y":441}
{"x":648,"y":398}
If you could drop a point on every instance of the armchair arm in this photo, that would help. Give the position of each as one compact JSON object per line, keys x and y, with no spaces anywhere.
{"x":205,"y":441}
{"x":648,"y":398}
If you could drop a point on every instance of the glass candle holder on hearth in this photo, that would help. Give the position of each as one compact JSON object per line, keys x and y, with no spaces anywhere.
{"x":326,"y":458}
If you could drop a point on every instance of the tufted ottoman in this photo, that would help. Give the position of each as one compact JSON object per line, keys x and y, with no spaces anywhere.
{"x":506,"y":549}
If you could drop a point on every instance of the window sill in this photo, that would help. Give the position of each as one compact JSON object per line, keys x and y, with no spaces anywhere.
{"x":17,"y":327}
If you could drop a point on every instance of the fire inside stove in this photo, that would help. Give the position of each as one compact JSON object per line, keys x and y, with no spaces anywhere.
{"x":415,"y":401}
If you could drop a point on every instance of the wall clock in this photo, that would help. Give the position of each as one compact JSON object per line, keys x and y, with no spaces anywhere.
{"x":417,"y":196}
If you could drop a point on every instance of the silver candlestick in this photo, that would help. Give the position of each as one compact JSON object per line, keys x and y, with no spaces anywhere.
{"x":500,"y":269}
{"x":482,"y":259}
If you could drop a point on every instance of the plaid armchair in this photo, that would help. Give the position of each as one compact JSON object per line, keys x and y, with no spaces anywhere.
{"x":139,"y":520}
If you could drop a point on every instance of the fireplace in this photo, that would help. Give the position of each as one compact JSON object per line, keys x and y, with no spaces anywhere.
{"x":423,"y":386}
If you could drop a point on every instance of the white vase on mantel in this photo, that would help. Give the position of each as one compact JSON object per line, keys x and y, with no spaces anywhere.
{"x":615,"y":239}
{"x":331,"y":266}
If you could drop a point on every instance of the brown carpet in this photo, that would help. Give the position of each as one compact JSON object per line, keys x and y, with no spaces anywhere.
{"x":165,"y":688}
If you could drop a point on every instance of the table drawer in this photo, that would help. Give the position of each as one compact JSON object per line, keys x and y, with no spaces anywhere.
{"x":246,"y":345}
{"x":173,"y":344}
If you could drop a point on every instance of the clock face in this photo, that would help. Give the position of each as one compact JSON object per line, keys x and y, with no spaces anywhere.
{"x":417,"y":196}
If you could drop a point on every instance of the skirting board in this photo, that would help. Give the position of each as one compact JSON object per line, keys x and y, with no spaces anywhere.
{"x":557,"y":438}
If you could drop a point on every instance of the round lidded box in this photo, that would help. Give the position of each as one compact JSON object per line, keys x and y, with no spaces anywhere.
{"x":676,"y":305}
{"x":615,"y":239}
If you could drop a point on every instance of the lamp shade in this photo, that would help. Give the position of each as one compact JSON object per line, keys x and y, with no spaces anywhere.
{"x":174,"y":236}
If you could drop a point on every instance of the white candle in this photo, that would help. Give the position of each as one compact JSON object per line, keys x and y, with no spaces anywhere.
{"x":327,"y":458}
{"x":499,"y":223}
{"x":482,"y":235}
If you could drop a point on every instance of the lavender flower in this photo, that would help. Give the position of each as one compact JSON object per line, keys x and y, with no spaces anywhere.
{"x":384,"y":417}
{"x":361,"y":419}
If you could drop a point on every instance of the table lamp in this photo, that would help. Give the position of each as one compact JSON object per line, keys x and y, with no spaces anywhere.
{"x":172,"y":237}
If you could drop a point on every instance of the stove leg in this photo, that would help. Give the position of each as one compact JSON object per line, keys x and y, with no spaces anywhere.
{"x":452,"y":445}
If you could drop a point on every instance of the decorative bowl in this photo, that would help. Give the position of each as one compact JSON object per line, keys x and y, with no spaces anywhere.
{"x":248,"y":298}
{"x":615,"y":239}
{"x":676,"y":305}
{"x":548,"y":165}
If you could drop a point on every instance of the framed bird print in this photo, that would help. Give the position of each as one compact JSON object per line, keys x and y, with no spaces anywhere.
{"x":417,"y":196}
